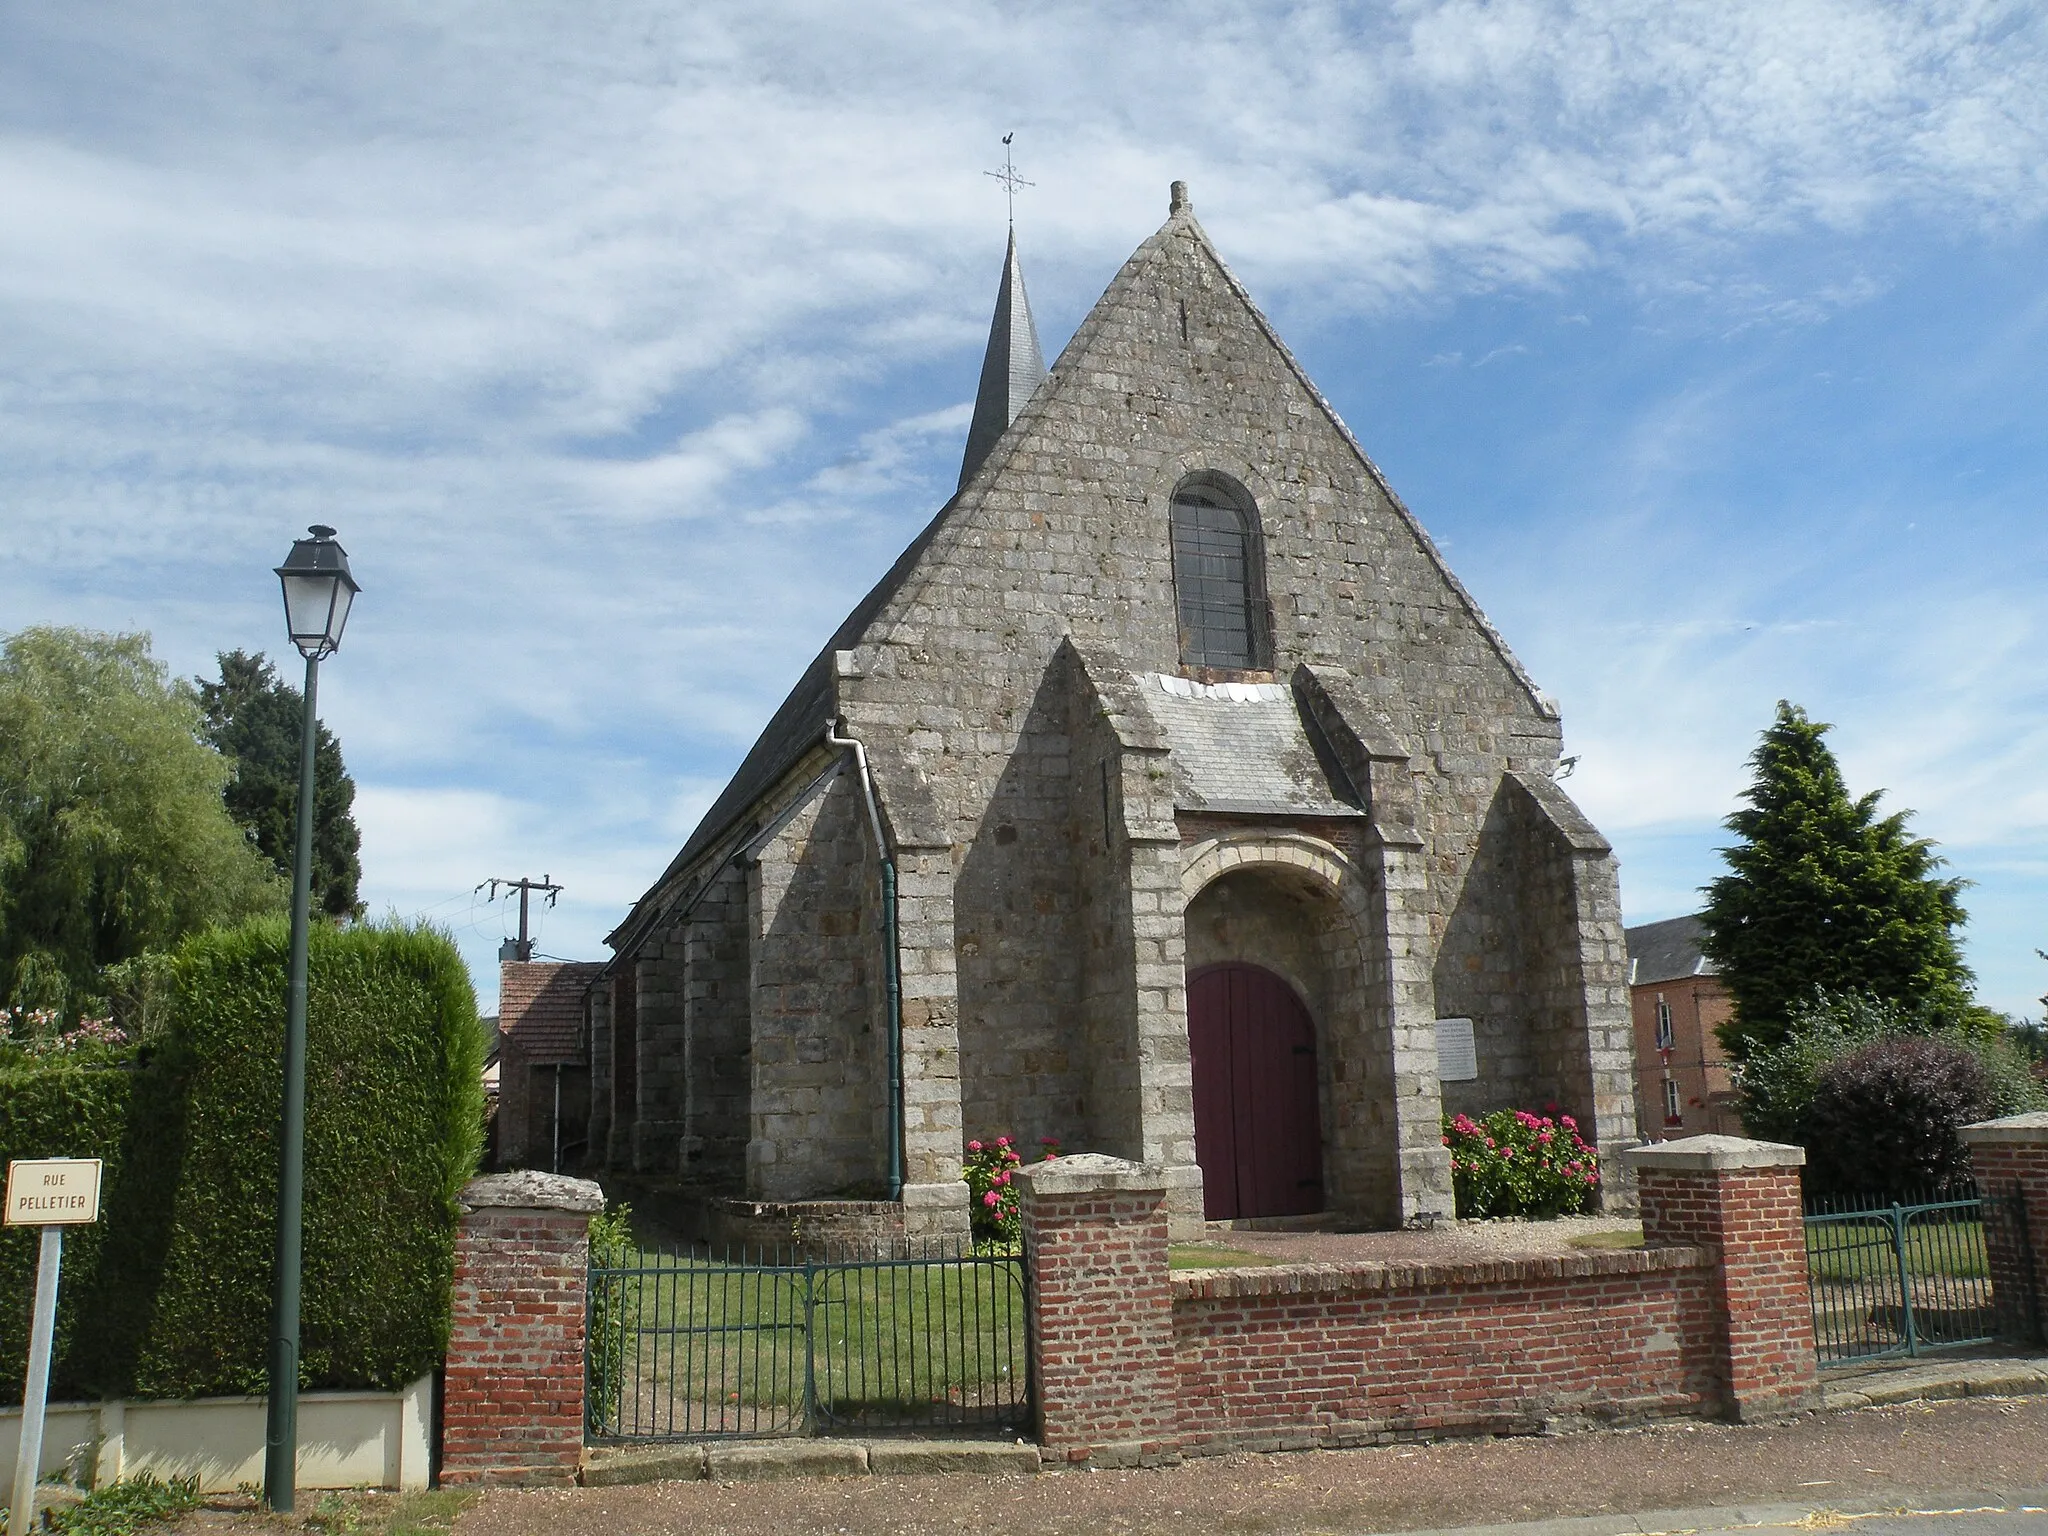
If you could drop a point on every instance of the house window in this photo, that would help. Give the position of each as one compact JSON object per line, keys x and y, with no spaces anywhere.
{"x":1217,"y":579}
{"x":1663,"y":1023}
{"x":1671,"y":1113}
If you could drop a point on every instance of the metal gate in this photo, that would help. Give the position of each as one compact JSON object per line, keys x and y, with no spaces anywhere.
{"x":927,"y":1338}
{"x":1903,"y":1279}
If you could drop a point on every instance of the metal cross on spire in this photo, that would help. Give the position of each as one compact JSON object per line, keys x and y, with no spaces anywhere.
{"x":1010,"y":179}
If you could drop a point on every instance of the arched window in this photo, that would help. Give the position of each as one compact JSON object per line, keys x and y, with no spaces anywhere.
{"x":1217,"y":579}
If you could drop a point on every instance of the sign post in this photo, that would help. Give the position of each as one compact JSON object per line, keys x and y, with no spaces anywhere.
{"x":51,"y":1193}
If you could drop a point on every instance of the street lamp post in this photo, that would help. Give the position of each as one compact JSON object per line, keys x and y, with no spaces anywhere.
{"x":318,"y":590}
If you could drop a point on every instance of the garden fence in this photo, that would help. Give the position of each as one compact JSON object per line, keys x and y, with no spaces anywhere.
{"x":926,"y":1338}
{"x":1905,"y":1277}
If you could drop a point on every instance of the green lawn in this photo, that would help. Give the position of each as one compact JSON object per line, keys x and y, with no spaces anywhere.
{"x":1864,"y":1250}
{"x":682,"y":1345}
{"x":1211,"y":1256}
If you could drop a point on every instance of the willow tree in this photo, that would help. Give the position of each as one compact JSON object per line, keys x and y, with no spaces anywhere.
{"x":113,"y":835}
{"x":1822,"y":892}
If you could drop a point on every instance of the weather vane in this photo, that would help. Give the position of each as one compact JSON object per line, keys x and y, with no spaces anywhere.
{"x":1010,"y":179}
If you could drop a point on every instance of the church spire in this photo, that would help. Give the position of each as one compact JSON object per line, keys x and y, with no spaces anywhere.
{"x":1010,"y":370}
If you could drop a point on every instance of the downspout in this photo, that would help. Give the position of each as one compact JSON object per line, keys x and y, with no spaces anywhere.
{"x":891,"y":960}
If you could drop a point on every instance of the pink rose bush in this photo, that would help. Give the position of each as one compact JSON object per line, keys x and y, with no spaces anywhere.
{"x":991,"y":1190}
{"x":1514,"y":1163}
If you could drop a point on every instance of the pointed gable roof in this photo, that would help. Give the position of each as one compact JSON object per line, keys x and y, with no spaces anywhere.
{"x":798,"y":723}
{"x":1011,"y":369}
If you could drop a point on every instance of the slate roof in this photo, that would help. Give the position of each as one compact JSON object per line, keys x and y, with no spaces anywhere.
{"x":1666,"y":951}
{"x":1011,"y":369}
{"x":1245,"y":747}
{"x":540,"y":1008}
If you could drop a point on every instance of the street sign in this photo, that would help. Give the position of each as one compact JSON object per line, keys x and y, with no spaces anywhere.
{"x":53,"y":1192}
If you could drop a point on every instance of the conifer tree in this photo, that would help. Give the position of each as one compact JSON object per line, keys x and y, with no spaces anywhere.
{"x":1822,"y":893}
{"x":255,"y":718}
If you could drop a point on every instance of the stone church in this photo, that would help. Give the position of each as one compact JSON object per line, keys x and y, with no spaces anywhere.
{"x":1168,"y":797}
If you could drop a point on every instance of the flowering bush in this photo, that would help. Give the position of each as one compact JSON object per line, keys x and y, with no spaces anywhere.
{"x":991,"y":1193}
{"x":1514,"y":1163}
{"x":41,"y":1032}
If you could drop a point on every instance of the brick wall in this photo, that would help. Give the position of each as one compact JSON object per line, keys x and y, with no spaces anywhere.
{"x":1135,"y":1364}
{"x":1741,"y":1199}
{"x":512,"y":1388}
{"x":1356,"y":1354}
{"x":2004,"y":1154}
{"x":1101,"y":1309}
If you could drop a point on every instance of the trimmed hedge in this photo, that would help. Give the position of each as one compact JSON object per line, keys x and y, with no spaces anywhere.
{"x":180,"y":1295}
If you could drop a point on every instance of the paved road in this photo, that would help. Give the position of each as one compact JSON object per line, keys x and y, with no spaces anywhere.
{"x":1990,"y":1514}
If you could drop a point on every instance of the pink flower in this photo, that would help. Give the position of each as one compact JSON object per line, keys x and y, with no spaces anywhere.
{"x":1002,"y":1178}
{"x":1002,"y":1141}
{"x":991,"y":1199}
{"x":974,"y":1146}
{"x":1048,"y":1141}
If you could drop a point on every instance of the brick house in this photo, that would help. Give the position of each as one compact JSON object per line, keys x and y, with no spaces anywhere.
{"x":1683,"y":1083}
{"x":543,"y":1063}
{"x":1169,"y":797}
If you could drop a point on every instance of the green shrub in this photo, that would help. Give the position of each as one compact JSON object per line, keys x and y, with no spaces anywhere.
{"x":611,"y":1247}
{"x":1882,"y":1120}
{"x":1514,"y":1163}
{"x":59,"y":1108}
{"x":1776,"y":1085}
{"x":180,"y":1292}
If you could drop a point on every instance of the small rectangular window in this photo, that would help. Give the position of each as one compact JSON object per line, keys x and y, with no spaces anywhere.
{"x":1664,"y":1034}
{"x":1671,"y":1114}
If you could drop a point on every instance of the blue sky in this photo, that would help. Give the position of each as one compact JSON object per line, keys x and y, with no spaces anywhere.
{"x":626,"y":346}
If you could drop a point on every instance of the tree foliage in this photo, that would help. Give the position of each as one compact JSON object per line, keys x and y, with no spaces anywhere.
{"x":256,"y":719}
{"x":113,"y":835}
{"x":1822,"y":892}
{"x":1883,"y":1119}
{"x":1776,"y":1087}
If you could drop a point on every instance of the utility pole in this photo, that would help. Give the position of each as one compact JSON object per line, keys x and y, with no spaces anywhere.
{"x":521,"y":948}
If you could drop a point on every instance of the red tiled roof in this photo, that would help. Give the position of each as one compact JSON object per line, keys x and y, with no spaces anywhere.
{"x":540,"y":1007}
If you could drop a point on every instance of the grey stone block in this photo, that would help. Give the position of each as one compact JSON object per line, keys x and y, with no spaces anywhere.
{"x":920,"y":1457}
{"x":760,"y":1460}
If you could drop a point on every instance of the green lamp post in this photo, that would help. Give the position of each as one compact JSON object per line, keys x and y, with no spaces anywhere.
{"x":318,"y":590}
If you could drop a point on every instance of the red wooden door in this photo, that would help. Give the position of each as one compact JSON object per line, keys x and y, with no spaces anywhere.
{"x":1258,"y":1132}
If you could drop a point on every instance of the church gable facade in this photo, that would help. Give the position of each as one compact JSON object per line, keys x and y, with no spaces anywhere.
{"x":1160,"y":801}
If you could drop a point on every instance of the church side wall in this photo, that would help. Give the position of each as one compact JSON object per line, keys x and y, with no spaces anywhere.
{"x":819,"y":1099}
{"x":663,"y":1069}
{"x":597,"y":1014}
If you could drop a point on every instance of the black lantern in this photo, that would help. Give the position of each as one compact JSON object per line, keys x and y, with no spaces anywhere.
{"x":317,"y":592}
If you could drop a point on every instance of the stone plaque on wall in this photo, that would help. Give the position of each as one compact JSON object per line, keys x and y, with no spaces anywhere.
{"x":1457,"y":1056}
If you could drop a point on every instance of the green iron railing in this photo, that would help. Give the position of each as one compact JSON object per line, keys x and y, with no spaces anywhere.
{"x":926,"y":1338}
{"x":1902,"y":1278}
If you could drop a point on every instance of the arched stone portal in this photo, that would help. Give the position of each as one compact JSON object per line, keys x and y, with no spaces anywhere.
{"x":1295,"y":908}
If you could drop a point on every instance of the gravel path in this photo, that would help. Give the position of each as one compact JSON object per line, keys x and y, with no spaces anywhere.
{"x":1913,"y":1452}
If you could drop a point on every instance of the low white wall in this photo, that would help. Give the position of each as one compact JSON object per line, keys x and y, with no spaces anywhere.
{"x":346,"y":1439}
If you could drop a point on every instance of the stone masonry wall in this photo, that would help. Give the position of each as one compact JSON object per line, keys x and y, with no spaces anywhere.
{"x":1018,"y":942}
{"x":819,"y":1094}
{"x":718,"y":1096}
{"x":663,"y":1063}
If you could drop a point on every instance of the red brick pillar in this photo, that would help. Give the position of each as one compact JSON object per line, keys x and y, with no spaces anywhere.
{"x":2004,"y":1154}
{"x":1101,"y":1310}
{"x":1741,"y":1198}
{"x":512,"y":1390}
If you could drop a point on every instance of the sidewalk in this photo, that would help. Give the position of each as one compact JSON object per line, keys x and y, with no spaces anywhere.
{"x":1943,"y":1449}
